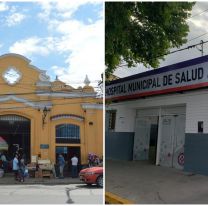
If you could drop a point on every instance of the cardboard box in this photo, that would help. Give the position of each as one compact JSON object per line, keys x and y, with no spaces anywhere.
{"x":46,"y":173}
{"x":34,"y":158}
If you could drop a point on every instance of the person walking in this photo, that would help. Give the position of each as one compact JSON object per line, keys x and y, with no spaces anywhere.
{"x":61,"y":163}
{"x":74,"y":161}
{"x":15,"y":166}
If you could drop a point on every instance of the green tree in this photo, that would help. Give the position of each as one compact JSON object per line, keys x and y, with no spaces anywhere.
{"x":142,"y":32}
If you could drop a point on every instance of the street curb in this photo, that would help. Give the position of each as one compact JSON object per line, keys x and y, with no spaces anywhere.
{"x":111,"y":198}
{"x":42,"y":183}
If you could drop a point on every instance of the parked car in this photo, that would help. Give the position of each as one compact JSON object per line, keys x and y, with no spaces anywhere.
{"x":92,"y":175}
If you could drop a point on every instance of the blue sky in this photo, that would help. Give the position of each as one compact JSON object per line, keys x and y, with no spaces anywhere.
{"x":65,"y":37}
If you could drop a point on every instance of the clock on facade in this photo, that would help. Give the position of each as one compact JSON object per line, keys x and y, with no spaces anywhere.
{"x":12,"y":75}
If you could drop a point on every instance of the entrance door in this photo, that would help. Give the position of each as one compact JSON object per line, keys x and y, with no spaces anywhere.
{"x":145,"y":139}
{"x":68,"y":153}
{"x":178,"y":155}
{"x":153,"y":141}
{"x":141,"y":139}
{"x":15,"y":130}
{"x":172,"y":141}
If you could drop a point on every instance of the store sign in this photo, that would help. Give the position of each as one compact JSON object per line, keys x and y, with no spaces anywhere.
{"x":159,"y":81}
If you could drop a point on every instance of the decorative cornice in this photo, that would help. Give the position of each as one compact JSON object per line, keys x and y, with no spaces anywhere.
{"x":92,"y":106}
{"x":66,"y":94}
{"x":35,"y":105}
{"x":67,"y":116}
{"x":43,"y":84}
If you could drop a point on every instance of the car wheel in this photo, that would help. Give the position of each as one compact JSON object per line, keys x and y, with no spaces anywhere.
{"x":99,"y":181}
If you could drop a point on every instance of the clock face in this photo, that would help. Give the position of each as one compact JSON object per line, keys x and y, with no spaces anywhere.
{"x":12,"y":75}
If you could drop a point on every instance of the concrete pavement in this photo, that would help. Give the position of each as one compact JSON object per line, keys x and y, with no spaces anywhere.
{"x":50,"y":194}
{"x":144,"y":183}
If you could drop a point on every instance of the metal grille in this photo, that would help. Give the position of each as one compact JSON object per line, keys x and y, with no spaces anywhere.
{"x":67,"y":131}
{"x":13,"y":118}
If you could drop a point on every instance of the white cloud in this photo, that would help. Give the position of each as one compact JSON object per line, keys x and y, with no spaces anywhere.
{"x":33,"y":45}
{"x":84,"y":45}
{"x":14,"y":19}
{"x":63,"y":8}
{"x":3,"y":6}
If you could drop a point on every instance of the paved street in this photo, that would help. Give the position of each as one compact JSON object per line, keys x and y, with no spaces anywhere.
{"x":144,"y":183}
{"x":50,"y":194}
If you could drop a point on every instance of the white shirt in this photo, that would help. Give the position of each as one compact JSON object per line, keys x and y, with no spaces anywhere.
{"x":15,"y":164}
{"x":74,"y":161}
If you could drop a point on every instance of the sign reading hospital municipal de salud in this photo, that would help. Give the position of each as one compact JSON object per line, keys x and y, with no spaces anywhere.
{"x":182,"y":76}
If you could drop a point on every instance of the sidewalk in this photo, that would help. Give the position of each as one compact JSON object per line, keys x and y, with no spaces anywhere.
{"x":8,"y":179}
{"x":143,"y":183}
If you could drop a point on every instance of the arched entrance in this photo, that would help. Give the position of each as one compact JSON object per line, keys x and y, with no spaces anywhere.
{"x":15,"y":130}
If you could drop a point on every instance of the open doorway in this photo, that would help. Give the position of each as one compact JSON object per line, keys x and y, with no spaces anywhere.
{"x":68,"y":152}
{"x":15,"y":130}
{"x":153,"y":140}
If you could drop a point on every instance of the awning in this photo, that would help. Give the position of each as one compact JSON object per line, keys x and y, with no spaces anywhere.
{"x":3,"y":144}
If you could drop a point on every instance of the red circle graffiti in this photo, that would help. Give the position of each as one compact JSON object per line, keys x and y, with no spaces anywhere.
{"x":181,"y":159}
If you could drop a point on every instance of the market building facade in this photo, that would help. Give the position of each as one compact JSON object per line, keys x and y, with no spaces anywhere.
{"x":46,"y":118}
{"x":161,"y":116}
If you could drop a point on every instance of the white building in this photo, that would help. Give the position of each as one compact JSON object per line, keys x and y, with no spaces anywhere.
{"x":161,"y":115}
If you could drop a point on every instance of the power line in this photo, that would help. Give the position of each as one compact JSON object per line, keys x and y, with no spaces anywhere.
{"x":67,"y":82}
{"x":197,"y":14}
{"x":172,"y":52}
{"x":39,"y":92}
{"x":198,"y":36}
{"x":37,"y":101}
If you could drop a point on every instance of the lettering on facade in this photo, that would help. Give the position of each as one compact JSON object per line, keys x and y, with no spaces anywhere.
{"x":154,"y":83}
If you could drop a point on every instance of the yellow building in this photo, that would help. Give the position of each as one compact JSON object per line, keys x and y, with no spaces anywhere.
{"x":46,"y":118}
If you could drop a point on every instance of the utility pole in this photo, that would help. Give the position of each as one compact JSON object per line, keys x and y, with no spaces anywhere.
{"x":202,"y":47}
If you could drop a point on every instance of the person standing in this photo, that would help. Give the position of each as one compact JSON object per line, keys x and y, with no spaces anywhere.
{"x":22,"y":170}
{"x":61,"y":163}
{"x":4,"y":162}
{"x":15,"y":166}
{"x":74,"y":161}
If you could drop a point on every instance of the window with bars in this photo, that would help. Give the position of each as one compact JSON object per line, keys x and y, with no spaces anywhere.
{"x":67,"y":133}
{"x":112,"y":120}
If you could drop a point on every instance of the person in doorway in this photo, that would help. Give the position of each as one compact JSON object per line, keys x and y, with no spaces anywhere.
{"x":74,"y":161}
{"x":61,"y":162}
{"x":15,"y":166}
{"x":4,"y":162}
{"x":21,"y":170}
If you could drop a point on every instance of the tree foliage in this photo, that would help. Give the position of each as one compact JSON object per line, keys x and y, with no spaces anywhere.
{"x":142,"y":32}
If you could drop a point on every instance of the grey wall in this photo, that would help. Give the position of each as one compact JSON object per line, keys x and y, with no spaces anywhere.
{"x":196,"y":153}
{"x":119,"y":145}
